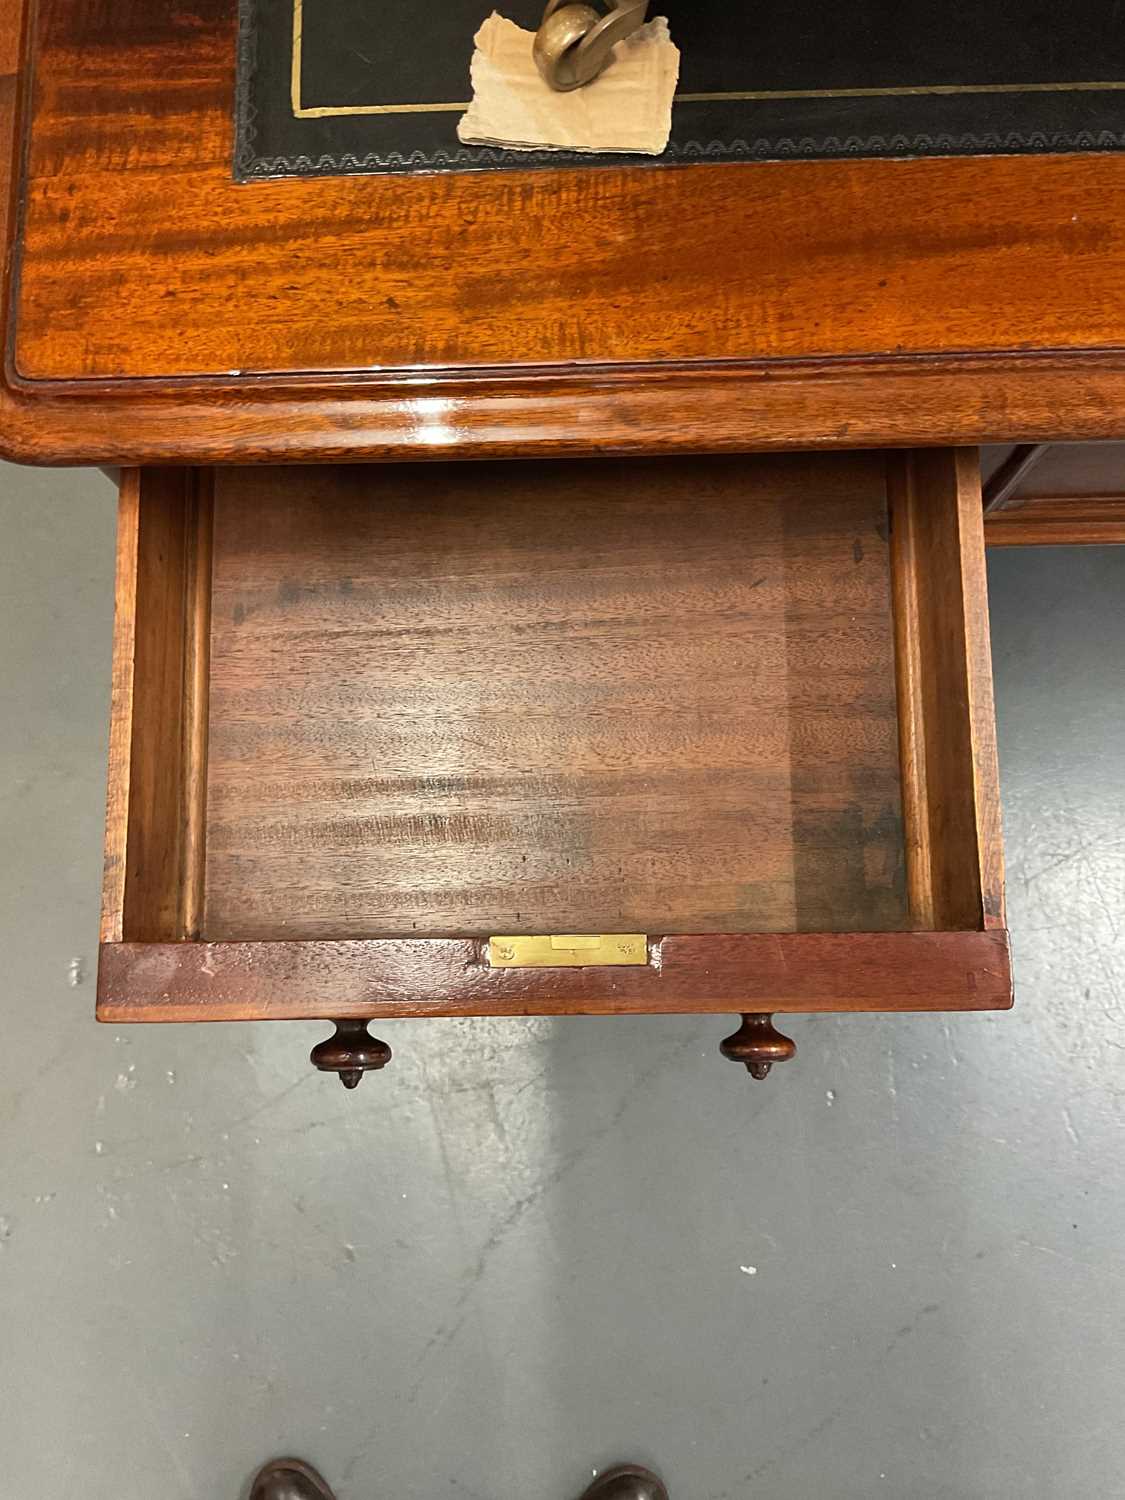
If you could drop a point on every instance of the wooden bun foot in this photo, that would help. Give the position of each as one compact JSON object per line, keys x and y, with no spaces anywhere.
{"x":351,"y":1053}
{"x":758,"y":1045}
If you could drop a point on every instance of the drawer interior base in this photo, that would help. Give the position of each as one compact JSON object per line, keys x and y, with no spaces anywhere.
{"x":638,"y":696}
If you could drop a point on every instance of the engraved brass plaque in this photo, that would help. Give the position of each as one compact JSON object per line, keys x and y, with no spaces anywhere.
{"x":568,"y":950}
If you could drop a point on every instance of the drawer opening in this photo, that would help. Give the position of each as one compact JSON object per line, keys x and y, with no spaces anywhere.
{"x":732,"y":697}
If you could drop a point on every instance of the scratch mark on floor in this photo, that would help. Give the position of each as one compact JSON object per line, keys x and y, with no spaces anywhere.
{"x":451,"y":1327}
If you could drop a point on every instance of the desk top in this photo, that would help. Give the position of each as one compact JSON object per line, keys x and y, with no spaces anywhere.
{"x":158,"y":309}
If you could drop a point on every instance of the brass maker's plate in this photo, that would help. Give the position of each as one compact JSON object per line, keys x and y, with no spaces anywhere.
{"x":568,"y":950}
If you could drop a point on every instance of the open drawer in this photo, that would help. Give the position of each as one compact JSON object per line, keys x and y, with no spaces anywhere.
{"x":717,"y":732}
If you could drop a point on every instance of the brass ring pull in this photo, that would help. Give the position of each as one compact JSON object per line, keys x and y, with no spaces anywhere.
{"x":574,"y":41}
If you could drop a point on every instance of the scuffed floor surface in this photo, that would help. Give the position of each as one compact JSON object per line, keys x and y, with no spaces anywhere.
{"x":895,"y":1269}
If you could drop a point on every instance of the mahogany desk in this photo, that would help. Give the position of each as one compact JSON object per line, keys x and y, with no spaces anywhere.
{"x":726,"y":702}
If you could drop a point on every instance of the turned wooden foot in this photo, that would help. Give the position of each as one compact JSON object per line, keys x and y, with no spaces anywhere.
{"x":758,"y":1045}
{"x":351,"y":1053}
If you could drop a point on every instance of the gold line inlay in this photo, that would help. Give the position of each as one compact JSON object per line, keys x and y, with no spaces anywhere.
{"x":750,"y":95}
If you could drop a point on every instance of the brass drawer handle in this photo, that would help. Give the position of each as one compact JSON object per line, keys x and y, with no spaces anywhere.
{"x":574,"y":40}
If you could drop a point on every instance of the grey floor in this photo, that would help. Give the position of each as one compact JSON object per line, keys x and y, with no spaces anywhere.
{"x":895,"y":1269}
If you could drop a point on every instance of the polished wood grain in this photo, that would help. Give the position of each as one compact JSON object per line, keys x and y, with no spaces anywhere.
{"x":169,"y":267}
{"x":955,"y":874}
{"x":154,"y":846}
{"x":532,"y":269}
{"x":672,"y":409}
{"x":1058,"y":523}
{"x":11,"y":40}
{"x":11,"y":43}
{"x":115,"y":857}
{"x":910,"y":667}
{"x":166,"y":313}
{"x":647,"y":696}
{"x":376,"y":979}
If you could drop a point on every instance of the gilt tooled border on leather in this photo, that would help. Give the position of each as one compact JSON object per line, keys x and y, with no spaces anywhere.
{"x":250,"y":166}
{"x":257,"y":167}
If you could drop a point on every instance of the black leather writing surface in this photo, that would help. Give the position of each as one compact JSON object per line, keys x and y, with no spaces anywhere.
{"x":341,"y":86}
